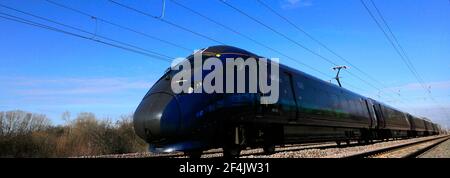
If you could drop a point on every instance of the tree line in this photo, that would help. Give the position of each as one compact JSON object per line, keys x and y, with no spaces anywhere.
{"x":25,"y":134}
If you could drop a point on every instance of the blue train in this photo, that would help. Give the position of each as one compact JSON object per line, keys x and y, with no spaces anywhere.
{"x":308,"y":110}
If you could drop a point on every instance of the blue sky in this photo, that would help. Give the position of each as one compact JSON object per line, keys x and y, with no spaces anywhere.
{"x":47,"y":72}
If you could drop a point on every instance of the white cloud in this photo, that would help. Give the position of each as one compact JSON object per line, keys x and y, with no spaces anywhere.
{"x":293,"y":4}
{"x":110,"y":96}
{"x":71,"y":86}
{"x":438,"y":85}
{"x":413,"y":93}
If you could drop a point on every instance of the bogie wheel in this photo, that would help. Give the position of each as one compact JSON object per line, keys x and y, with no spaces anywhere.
{"x":269,"y":149}
{"x":194,"y":154}
{"x":233,"y":151}
{"x":233,"y":142}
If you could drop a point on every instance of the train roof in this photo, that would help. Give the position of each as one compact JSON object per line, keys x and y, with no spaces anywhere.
{"x":220,"y":49}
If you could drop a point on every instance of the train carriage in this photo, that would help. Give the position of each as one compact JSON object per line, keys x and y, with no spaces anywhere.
{"x":428,"y":127}
{"x":308,"y":110}
{"x":419,"y":126}
{"x":396,"y":123}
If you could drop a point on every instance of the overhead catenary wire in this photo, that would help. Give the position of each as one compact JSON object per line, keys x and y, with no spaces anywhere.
{"x":200,"y":34}
{"x":40,"y":25}
{"x":330,"y":50}
{"x":405,"y":57}
{"x":399,"y":49}
{"x":277,"y":32}
{"x":297,"y":43}
{"x":424,"y":98}
{"x":120,"y":44}
{"x":166,"y":21}
{"x":84,"y":31}
{"x":211,"y":38}
{"x":119,"y":26}
{"x":289,"y":39}
{"x":22,"y":20}
{"x":257,"y":42}
{"x":248,"y":37}
{"x":394,"y":44}
{"x":317,"y":41}
{"x":91,"y":38}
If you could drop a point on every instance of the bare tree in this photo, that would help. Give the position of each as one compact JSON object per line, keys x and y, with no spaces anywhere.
{"x":2,"y":120}
{"x":20,"y":123}
{"x":66,"y":117}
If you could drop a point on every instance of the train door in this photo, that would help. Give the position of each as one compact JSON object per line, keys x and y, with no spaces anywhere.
{"x":287,"y":102}
{"x":372,"y":114}
{"x":379,"y":115}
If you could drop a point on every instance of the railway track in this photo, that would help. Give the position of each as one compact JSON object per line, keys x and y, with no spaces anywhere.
{"x":407,"y":150}
{"x":398,"y":150}
{"x":213,"y":153}
{"x":217,"y":153}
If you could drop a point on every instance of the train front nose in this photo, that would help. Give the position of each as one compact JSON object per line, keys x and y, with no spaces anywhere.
{"x":157,"y":117}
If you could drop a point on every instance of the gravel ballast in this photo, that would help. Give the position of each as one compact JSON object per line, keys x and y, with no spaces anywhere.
{"x":440,"y":151}
{"x":300,"y":151}
{"x":336,"y":152}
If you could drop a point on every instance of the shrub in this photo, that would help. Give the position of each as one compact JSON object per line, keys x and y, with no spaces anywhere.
{"x":25,"y":134}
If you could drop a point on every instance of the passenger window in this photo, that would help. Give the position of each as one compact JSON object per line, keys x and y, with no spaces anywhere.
{"x":306,"y":94}
{"x":349,"y":105}
{"x":286,"y":95}
{"x":334,"y":101}
{"x":323,"y":100}
{"x":340,"y":102}
{"x":300,"y":85}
